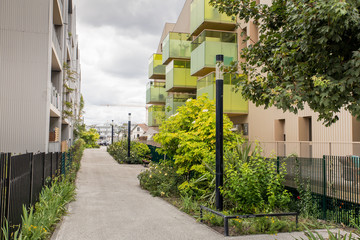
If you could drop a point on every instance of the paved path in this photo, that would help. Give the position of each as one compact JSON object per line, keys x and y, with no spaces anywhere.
{"x":111,"y":205}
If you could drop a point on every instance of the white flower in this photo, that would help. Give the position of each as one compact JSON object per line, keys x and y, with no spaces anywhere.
{"x":189,"y":100}
{"x":193,"y":122}
{"x":176,"y":114}
{"x":205,"y":110}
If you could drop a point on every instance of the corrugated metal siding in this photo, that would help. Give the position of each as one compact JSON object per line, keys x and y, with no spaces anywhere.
{"x":24,"y":75}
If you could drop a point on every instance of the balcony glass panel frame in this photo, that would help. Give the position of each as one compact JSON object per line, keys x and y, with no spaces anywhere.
{"x":156,"y":92}
{"x":156,"y":68}
{"x":156,"y":114}
{"x":176,"y":100}
{"x":209,"y":44}
{"x":176,"y":46}
{"x":234,"y":103}
{"x":178,"y":77}
{"x":204,"y":16}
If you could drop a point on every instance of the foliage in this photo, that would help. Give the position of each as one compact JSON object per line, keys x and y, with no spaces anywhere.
{"x":314,"y":235}
{"x":160,"y":180}
{"x":40,"y":220}
{"x":189,"y":137}
{"x":119,"y":151}
{"x":308,"y":53}
{"x":306,"y":204}
{"x":90,"y":137}
{"x":252,"y":184}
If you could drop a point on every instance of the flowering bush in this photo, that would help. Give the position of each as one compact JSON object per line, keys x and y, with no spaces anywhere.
{"x":160,"y":180}
{"x":119,"y":151}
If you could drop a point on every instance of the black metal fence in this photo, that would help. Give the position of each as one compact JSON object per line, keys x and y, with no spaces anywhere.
{"x":334,"y":182}
{"x":22,"y":178}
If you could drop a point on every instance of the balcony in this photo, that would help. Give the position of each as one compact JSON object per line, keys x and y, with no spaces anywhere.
{"x":176,"y":46}
{"x":155,"y":93}
{"x":204,"y":16}
{"x":58,"y":12}
{"x":178,"y":78}
{"x":56,"y":53}
{"x":176,"y":100}
{"x":234,"y":103}
{"x":156,"y":114}
{"x":156,"y":68}
{"x":205,"y":48}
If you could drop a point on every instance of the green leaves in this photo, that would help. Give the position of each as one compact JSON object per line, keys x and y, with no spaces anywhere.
{"x":301,"y":40}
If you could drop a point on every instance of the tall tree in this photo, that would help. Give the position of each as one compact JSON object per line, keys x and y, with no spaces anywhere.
{"x":308,"y":53}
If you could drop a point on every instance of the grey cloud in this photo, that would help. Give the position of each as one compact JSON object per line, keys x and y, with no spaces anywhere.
{"x":134,"y":15}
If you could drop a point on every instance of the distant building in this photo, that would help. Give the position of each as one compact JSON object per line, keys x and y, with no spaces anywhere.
{"x":40,"y":76}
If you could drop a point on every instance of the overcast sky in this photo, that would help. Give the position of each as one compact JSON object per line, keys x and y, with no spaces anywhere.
{"x":117,"y":37}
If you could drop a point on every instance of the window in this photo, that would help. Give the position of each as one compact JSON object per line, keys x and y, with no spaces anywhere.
{"x":138,"y":129}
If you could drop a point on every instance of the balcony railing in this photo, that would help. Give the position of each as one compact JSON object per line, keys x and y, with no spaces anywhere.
{"x":156,"y":68}
{"x":178,"y":78}
{"x":234,"y":103}
{"x":155,"y":93}
{"x":204,"y":16}
{"x":176,"y":100}
{"x":205,"y":48}
{"x":156,"y":114}
{"x":56,"y":43}
{"x":55,"y":98}
{"x":176,"y":46}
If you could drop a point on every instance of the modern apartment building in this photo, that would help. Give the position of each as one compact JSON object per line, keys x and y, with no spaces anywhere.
{"x":40,"y":77}
{"x":184,"y":66}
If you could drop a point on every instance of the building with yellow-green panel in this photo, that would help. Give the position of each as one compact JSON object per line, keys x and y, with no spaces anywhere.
{"x":183,"y":66}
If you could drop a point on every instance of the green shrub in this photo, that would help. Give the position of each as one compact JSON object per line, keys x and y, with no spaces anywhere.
{"x":90,"y":137}
{"x":119,"y":151}
{"x":160,"y":180}
{"x":252,"y":185}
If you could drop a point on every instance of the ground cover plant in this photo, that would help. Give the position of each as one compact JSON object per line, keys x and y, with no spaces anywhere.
{"x":138,"y":152}
{"x":39,"y":221}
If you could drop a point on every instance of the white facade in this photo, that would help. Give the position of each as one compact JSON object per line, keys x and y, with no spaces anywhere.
{"x":38,"y":55}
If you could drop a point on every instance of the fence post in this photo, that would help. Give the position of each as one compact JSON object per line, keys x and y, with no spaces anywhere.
{"x":324,"y":189}
{"x":31,"y":155}
{"x":7,"y":204}
{"x":43,"y":163}
{"x":278,"y":165}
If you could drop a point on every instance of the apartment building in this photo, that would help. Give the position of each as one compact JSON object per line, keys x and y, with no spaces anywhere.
{"x":183,"y":67}
{"x":40,"y":77}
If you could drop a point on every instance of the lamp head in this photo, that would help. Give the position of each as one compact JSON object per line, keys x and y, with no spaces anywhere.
{"x":219,"y":67}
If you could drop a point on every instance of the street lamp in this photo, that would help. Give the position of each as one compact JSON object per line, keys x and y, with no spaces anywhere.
{"x":219,"y":131}
{"x":129,"y":126}
{"x":112,"y":131}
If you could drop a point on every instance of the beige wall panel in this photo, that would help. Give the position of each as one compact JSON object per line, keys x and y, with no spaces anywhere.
{"x":24,"y":75}
{"x":183,"y":22}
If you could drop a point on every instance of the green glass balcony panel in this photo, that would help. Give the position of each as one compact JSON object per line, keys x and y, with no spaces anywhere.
{"x":156,"y":68}
{"x":155,"y":92}
{"x":156,"y":114}
{"x":176,"y":100}
{"x":203,"y":16}
{"x":234,"y":103}
{"x":176,"y":46}
{"x":209,"y":44}
{"x":178,"y":78}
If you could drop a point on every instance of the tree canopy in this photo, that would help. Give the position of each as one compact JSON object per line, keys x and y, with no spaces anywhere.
{"x":308,"y":52}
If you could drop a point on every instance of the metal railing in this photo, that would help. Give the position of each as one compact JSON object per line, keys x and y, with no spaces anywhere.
{"x":333,"y":180}
{"x":56,"y":43}
{"x":308,"y":149}
{"x":55,"y":98}
{"x":22,"y":178}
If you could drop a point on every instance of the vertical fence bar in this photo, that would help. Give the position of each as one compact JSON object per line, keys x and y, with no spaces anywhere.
{"x":324,"y":188}
{"x":31,"y":157}
{"x":278,"y":165}
{"x":8,"y":185}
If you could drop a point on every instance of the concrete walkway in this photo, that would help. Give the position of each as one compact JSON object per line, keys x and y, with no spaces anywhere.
{"x":111,"y":205}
